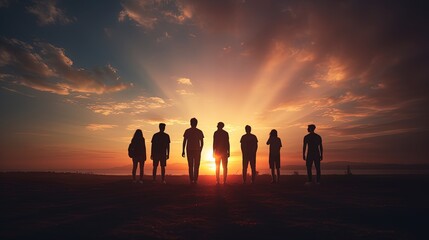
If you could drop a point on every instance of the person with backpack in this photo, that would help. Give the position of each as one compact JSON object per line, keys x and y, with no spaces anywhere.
{"x":137,"y":151}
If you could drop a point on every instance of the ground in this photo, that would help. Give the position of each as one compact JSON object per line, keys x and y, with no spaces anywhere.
{"x":82,"y":206}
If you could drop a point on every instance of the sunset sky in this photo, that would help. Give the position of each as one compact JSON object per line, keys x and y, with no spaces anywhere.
{"x":77,"y":78}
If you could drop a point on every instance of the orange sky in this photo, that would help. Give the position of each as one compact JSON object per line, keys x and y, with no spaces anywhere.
{"x":76,"y":84}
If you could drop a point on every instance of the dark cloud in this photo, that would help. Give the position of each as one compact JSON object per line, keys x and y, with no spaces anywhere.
{"x":45,"y":67}
{"x":47,"y":12}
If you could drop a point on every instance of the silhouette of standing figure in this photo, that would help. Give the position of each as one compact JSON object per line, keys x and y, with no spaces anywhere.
{"x":193,"y":140}
{"x":274,"y":157}
{"x":221,"y":151}
{"x":137,"y":151}
{"x":249,"y":146}
{"x":160,"y":151}
{"x":314,"y":152}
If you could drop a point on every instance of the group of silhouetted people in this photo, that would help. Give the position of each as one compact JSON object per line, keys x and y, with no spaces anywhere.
{"x":193,"y":142}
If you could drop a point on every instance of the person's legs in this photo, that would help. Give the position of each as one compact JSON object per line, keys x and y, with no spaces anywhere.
{"x":253,"y":167}
{"x":278,"y":174}
{"x":225,"y":167}
{"x":163,"y":174}
{"x":155,"y":167}
{"x":190,"y":166}
{"x":278,"y":168}
{"x":141,"y":170}
{"x":163,"y":165}
{"x":197,"y":165}
{"x":217,"y":162}
{"x":245,"y":164}
{"x":273,"y":176}
{"x":318,"y":172}
{"x":134,"y":169}
{"x":309,"y":164}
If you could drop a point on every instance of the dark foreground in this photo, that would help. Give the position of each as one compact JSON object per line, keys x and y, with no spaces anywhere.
{"x":78,"y":206}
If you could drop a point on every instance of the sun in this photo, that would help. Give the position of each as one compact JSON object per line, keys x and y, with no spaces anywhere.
{"x":210,"y":161}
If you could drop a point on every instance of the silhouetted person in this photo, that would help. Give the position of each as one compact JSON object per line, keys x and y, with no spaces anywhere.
{"x":137,"y":151}
{"x":314,"y":152}
{"x":249,"y":146}
{"x":160,"y":151}
{"x":193,"y":140}
{"x":274,"y":157}
{"x":221,"y":151}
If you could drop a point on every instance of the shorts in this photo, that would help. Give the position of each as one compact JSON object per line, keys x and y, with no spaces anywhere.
{"x":274,"y":161}
{"x":157,"y":161}
{"x":138,"y":159}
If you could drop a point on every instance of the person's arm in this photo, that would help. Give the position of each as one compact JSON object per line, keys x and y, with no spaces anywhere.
{"x":256,"y":143}
{"x":229,"y":150}
{"x":304,"y":146}
{"x":183,"y":146}
{"x":214,"y":145}
{"x":151,"y":149}
{"x":202,"y":144}
{"x":321,"y":149}
{"x":144,"y":150}
{"x":168,"y":148}
{"x":268,"y":141}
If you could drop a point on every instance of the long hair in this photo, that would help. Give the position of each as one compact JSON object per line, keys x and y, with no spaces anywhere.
{"x":273,"y":133}
{"x":138,"y":136}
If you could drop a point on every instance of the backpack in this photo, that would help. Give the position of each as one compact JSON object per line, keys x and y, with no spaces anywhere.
{"x":131,"y":152}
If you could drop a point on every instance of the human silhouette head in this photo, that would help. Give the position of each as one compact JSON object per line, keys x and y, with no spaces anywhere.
{"x":162,"y":127}
{"x":220,"y":125}
{"x":248,"y":128}
{"x":311,"y":128}
{"x":194,"y":122}
{"x":138,"y":134}
{"x":273,"y":133}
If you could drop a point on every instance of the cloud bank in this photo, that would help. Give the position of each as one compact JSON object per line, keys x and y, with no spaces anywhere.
{"x":45,"y":67}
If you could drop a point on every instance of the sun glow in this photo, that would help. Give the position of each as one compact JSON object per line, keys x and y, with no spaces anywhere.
{"x":210,"y":161}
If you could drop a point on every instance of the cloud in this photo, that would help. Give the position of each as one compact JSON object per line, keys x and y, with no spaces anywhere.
{"x":148,"y":13}
{"x":99,"y":127}
{"x":45,"y":67}
{"x":137,"y":124}
{"x":136,"y":106}
{"x":184,"y":92}
{"x":184,"y":81}
{"x":47,"y":12}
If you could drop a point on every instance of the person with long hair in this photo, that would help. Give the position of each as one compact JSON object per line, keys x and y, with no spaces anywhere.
{"x":137,"y":151}
{"x":274,"y":157}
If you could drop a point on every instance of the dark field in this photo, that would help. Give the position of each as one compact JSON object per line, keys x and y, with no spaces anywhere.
{"x":79,"y":206}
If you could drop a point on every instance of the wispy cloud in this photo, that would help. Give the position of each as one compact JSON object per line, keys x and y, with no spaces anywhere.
{"x":47,"y":12}
{"x":137,"y":106}
{"x":137,"y":124}
{"x":184,"y":92}
{"x":99,"y":127}
{"x":148,"y":13}
{"x":45,"y":67}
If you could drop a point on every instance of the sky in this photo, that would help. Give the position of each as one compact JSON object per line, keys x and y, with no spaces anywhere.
{"x":77,"y":78}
